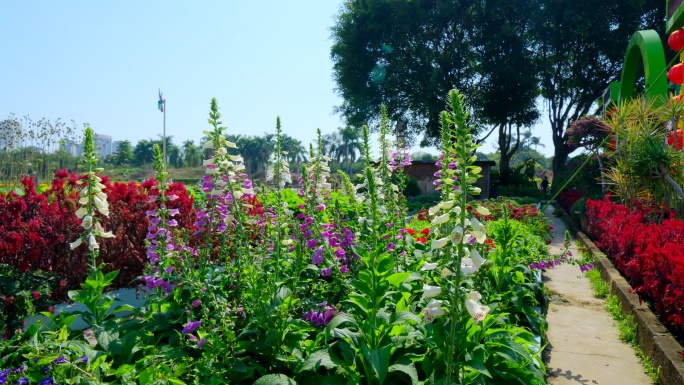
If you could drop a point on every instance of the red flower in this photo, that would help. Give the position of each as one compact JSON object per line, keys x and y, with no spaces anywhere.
{"x":421,"y":240}
{"x":425,"y":231}
{"x":35,"y":295}
{"x":411,"y":231}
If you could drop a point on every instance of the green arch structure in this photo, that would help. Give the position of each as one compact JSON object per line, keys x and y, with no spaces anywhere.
{"x":644,"y":46}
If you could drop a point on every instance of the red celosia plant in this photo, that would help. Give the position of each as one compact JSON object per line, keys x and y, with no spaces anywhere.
{"x":650,"y":255}
{"x":36,"y":229}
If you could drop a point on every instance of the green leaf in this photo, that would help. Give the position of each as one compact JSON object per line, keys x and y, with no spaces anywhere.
{"x":402,"y":317}
{"x":275,"y":379}
{"x":404,"y":365}
{"x":397,"y":279}
{"x":385,"y":264}
{"x":316,"y":360}
{"x":379,"y":360}
{"x":340,"y":319}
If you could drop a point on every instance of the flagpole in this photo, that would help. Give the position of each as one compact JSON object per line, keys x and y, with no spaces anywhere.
{"x":164,"y":138}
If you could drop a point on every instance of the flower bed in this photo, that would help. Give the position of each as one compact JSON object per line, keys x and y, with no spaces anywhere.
{"x":649,"y":255}
{"x":313,"y":294}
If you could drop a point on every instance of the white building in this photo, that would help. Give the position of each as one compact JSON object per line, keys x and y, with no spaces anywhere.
{"x":103,"y":146}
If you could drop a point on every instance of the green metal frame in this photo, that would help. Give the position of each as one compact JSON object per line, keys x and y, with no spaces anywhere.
{"x":674,"y":21}
{"x":645,"y":46}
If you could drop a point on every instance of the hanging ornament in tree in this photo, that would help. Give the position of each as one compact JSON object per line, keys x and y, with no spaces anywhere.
{"x":676,"y":74}
{"x":676,"y":40}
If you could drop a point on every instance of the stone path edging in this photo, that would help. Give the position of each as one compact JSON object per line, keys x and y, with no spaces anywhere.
{"x":655,"y":340}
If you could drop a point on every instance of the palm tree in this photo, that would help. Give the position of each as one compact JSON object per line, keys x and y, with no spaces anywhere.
{"x":331,"y":143}
{"x":349,"y":146}
{"x":143,"y":153}
{"x":296,"y":153}
{"x":536,"y":141}
{"x":192,"y":156}
{"x":174,"y":154}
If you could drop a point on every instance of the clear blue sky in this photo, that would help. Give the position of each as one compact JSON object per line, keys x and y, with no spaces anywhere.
{"x":101,"y":62}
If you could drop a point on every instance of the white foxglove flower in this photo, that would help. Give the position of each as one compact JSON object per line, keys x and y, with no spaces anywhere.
{"x":476,"y":190}
{"x":211,"y":171}
{"x":439,"y":243}
{"x":87,"y":222}
{"x":475,"y":308}
{"x":207,"y":162}
{"x":288,"y":212}
{"x":286,"y":242}
{"x":477,"y":258}
{"x":106,"y":234}
{"x":434,"y":308}
{"x":235,"y":158}
{"x":440,"y":219}
{"x":431,"y":291}
{"x":83,"y":200}
{"x":427,"y":266}
{"x":482,"y":210}
{"x":75,"y":243}
{"x":446,"y":205}
{"x":81,"y":212}
{"x":230,"y":144}
{"x":468,"y":266}
{"x":433,"y":210}
{"x":92,"y":243}
{"x":208,"y":144}
{"x":222,"y":151}
{"x":446,"y":272}
{"x":456,"y":235}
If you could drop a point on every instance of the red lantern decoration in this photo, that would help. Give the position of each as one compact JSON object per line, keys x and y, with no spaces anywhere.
{"x":671,"y":139}
{"x":676,"y":40}
{"x":676,"y":74}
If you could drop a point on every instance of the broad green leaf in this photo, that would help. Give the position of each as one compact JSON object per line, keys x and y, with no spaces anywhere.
{"x":397,"y":279}
{"x":404,"y":365}
{"x":378,"y":360}
{"x":316,"y":360}
{"x":402,"y":317}
{"x":275,"y":379}
{"x":339,"y":320}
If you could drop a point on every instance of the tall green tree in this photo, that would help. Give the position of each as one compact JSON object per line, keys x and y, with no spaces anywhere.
{"x":350,"y":146}
{"x":580,"y":46}
{"x":404,"y":54}
{"x":143,"y":153}
{"x":192,"y":155}
{"x":508,"y":85}
{"x":124,"y":153}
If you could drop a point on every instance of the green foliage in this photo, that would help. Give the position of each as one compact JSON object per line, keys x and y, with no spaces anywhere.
{"x":600,"y":287}
{"x":412,"y":188}
{"x":23,"y":294}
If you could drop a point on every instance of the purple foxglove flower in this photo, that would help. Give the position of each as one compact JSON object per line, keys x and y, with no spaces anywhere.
{"x":48,"y":381}
{"x":307,"y":234}
{"x":390,"y":247}
{"x":340,"y":253}
{"x":311,"y":243}
{"x":191,"y":327}
{"x":322,"y":304}
{"x":437,"y":174}
{"x":174,"y":212}
{"x":303,"y":227}
{"x":344,"y":269}
{"x":201,"y":342}
{"x":60,"y":360}
{"x":436,"y":182}
{"x":320,"y":207}
{"x":169,"y":269}
{"x":23,"y":381}
{"x":439,"y":163}
{"x":452,"y":165}
{"x":173,"y":223}
{"x":196,"y":303}
{"x":301,"y":215}
{"x":317,"y":257}
{"x":151,"y":213}
{"x":326,"y":272}
{"x":307,"y":315}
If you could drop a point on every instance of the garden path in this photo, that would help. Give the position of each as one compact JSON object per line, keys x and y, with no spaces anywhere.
{"x":583,"y":344}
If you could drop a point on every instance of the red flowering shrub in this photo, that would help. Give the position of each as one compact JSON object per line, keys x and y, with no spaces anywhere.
{"x":35,"y":229}
{"x":649,"y":255}
{"x":567,"y":198}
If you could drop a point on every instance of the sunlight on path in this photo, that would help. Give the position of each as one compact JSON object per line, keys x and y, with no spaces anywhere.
{"x":583,"y":341}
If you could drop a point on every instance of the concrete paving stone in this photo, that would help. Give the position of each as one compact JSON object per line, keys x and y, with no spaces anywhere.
{"x":583,"y":343}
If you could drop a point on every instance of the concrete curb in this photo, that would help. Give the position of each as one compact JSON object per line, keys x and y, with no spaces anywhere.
{"x":654,"y":339}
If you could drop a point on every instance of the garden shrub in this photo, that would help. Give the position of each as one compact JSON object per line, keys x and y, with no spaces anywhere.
{"x":650,"y":255}
{"x":37,"y":228}
{"x":567,"y":198}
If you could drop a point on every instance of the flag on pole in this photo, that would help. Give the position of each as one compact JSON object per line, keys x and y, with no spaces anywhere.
{"x":160,"y":103}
